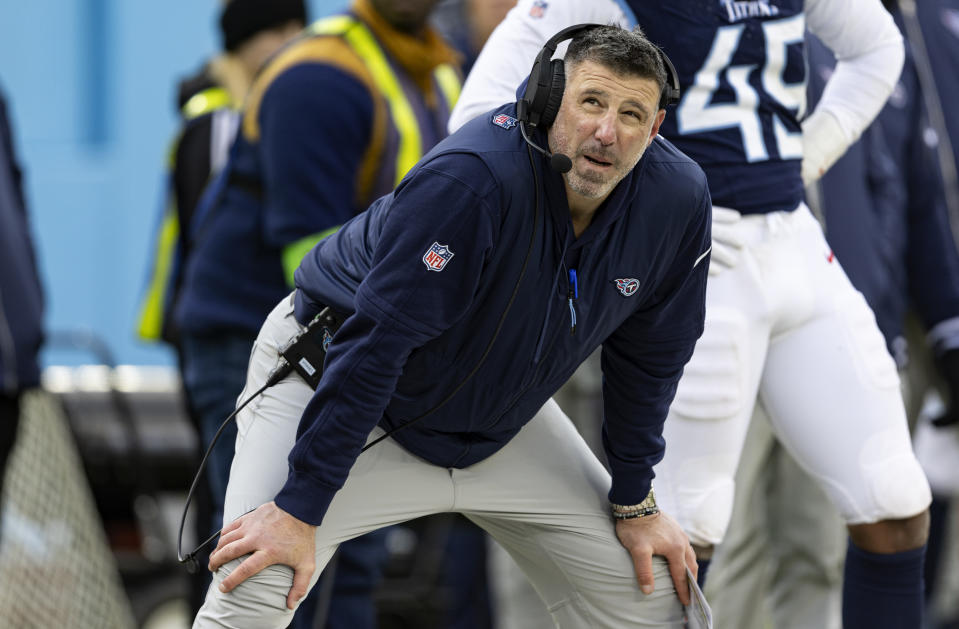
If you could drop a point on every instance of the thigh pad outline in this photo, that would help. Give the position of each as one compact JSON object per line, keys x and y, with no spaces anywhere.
{"x":714,"y":383}
{"x":870,"y":355}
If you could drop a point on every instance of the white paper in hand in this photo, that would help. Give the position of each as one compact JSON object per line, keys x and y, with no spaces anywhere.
{"x":698,"y":614}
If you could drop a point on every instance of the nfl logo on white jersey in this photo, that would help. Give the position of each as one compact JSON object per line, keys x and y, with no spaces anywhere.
{"x":437,"y":256}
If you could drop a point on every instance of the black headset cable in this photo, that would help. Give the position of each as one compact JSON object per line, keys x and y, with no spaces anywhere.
{"x":281,"y":372}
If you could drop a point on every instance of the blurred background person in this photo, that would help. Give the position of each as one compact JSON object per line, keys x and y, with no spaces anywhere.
{"x":932,"y":27}
{"x":886,"y":208}
{"x":331,"y":123}
{"x":21,"y":297}
{"x":208,"y":102}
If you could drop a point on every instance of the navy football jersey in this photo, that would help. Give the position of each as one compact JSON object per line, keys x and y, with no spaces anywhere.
{"x":742,"y":74}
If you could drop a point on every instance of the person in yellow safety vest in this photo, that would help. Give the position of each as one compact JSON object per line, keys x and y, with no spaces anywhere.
{"x":209,"y":103}
{"x":332,"y":121}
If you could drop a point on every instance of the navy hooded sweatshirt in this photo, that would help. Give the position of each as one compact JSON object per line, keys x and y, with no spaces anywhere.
{"x":466,"y":317}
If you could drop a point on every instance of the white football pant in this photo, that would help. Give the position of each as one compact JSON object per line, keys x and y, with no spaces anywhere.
{"x":786,"y":325}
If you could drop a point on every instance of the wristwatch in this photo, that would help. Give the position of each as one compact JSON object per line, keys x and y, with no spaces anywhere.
{"x":628,"y":512}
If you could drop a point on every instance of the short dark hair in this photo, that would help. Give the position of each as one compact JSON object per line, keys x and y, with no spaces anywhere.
{"x":627,"y":53}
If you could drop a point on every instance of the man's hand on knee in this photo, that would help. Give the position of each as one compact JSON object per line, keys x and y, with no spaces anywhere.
{"x":270,"y":536}
{"x":658,"y":534}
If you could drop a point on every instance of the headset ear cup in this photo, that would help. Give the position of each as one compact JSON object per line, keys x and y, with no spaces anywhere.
{"x":671,"y":93}
{"x":555,"y":95}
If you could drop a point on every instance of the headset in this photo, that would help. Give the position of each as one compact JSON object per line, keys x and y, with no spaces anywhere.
{"x":547,"y":80}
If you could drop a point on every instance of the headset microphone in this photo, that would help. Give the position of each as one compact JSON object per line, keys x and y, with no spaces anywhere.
{"x":560,"y":163}
{"x":557,"y":161}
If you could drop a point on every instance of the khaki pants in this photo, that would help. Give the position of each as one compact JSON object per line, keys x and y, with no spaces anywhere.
{"x":780,"y":564}
{"x":542,"y":497}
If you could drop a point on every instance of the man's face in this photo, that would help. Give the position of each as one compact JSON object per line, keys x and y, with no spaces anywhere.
{"x":604,"y":124}
{"x":409,"y":16}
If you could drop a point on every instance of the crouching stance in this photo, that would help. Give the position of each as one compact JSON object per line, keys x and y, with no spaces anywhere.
{"x":468,"y":296}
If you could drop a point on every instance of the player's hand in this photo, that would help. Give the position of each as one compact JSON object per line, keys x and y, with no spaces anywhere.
{"x":271,"y":536}
{"x":658,"y":534}
{"x":727,"y":240}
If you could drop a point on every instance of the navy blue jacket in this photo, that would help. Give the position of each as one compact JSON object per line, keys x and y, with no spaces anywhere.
{"x":21,"y":300}
{"x":885,"y":211}
{"x":502,"y":248}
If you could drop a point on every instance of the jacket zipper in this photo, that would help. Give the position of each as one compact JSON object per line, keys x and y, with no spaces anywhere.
{"x":573,"y":295}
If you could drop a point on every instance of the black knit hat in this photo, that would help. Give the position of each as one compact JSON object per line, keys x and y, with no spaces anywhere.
{"x":242,"y":19}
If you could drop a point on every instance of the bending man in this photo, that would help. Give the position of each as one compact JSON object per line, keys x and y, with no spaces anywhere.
{"x":472,"y":293}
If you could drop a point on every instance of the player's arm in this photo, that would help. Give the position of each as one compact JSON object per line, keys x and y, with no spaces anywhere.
{"x":509,"y":52}
{"x":642,"y":363}
{"x":869,"y":50}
